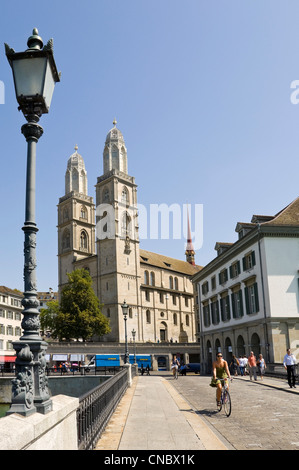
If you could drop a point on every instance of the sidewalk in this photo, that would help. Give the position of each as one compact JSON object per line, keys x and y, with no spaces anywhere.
{"x":152,"y":415}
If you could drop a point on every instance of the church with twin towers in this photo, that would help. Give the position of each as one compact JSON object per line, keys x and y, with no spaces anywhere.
{"x":103,"y":238}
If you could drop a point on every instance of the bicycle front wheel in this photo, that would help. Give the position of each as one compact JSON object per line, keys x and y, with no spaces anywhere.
{"x":227,"y":404}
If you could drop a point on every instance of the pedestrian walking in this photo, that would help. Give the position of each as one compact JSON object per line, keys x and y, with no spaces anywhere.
{"x":242,"y":364}
{"x":234,"y":365}
{"x":147,"y":370}
{"x":252,"y":365}
{"x":261,"y":365}
{"x":289,"y":362}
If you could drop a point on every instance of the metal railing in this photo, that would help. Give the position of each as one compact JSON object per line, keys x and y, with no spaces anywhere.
{"x":96,"y":407}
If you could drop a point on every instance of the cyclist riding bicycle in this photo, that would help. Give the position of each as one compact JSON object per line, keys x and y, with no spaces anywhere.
{"x":220,"y":371}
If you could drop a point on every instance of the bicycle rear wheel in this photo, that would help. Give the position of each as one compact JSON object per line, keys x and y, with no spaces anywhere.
{"x":227,"y":404}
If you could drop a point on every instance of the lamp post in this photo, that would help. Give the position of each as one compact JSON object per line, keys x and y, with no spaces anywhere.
{"x":134,"y":336}
{"x":35,"y":75}
{"x":125,"y":309}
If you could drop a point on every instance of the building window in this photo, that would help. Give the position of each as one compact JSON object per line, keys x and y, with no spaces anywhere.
{"x":176,"y":283}
{"x":206,"y":315}
{"x":223,"y":277}
{"x":249,"y":261}
{"x":83,"y":213}
{"x":187,"y":320}
{"x":234,"y":269}
{"x":237,"y":304}
{"x":215,"y":312}
{"x":106,"y":195}
{"x":152,"y":276}
{"x":161,"y":298}
{"x":83,"y":240}
{"x":225,"y":308}
{"x":147,"y":295}
{"x":148,"y":316}
{"x":186,"y":302}
{"x":66,"y":239}
{"x":146,"y":277}
{"x":170,"y":282}
{"x":125,"y":197}
{"x":175,"y":319}
{"x":205,"y":288}
{"x":213,"y":282}
{"x":251,"y":299}
{"x":126,"y":225}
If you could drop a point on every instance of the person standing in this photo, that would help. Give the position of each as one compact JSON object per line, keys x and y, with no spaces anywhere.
{"x":289,"y":362}
{"x":252,"y":365}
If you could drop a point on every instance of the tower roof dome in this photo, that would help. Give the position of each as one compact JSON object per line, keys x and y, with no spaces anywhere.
{"x":76,"y":161}
{"x":76,"y":175}
{"x":115,"y":135}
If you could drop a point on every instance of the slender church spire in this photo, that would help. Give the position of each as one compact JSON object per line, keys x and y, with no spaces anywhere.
{"x":190,"y":253}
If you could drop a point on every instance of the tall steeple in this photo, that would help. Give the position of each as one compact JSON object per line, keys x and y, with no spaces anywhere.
{"x":76,"y":175}
{"x":115,"y":152}
{"x":190,"y":253}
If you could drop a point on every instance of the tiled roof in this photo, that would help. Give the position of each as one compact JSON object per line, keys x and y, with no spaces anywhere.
{"x":287,"y":216}
{"x":171,"y":264}
{"x":8,"y":291}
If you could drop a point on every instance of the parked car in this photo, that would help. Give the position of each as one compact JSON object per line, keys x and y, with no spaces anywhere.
{"x":191,"y":367}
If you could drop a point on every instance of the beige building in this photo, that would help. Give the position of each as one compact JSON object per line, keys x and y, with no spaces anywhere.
{"x":105,"y":240}
{"x":10,"y":323}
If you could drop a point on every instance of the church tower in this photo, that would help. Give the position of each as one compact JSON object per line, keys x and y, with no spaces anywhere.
{"x":190,"y":253}
{"x":76,"y":216}
{"x":117,"y":237}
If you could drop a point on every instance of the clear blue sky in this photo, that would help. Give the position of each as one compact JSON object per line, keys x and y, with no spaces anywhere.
{"x":200,"y":90}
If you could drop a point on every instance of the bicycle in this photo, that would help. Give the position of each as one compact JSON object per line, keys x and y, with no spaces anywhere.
{"x":225,"y":400}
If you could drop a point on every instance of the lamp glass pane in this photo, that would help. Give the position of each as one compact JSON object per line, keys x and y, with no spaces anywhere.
{"x":29,"y":74}
{"x":49,"y":86}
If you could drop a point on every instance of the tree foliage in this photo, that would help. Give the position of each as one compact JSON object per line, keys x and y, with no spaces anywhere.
{"x":78,"y":316}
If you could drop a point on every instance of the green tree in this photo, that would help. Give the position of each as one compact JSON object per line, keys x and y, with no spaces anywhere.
{"x":79,"y":314}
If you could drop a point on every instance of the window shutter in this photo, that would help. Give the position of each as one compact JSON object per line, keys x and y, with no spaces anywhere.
{"x":247,"y":301}
{"x":256,"y":297}
{"x":233,"y":305}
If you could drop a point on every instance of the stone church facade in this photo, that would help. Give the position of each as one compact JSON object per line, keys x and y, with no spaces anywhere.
{"x":104,"y":239}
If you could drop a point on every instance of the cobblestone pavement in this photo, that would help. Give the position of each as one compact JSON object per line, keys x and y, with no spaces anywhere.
{"x":265,"y":415}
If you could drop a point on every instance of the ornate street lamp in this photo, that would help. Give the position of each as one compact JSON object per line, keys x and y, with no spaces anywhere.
{"x":125,"y":309}
{"x":134,"y":336}
{"x":35,"y":75}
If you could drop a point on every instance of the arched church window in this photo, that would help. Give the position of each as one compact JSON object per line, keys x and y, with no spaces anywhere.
{"x":83,"y":212}
{"x":83,"y":240}
{"x":115,"y":158}
{"x":125,"y":197}
{"x":126,"y":226}
{"x":152,"y":279}
{"x":170,"y":282}
{"x":75,"y":180}
{"x":65,"y":213}
{"x":146,"y":278}
{"x":66,"y":239}
{"x":176,"y":283}
{"x":106,"y":196}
